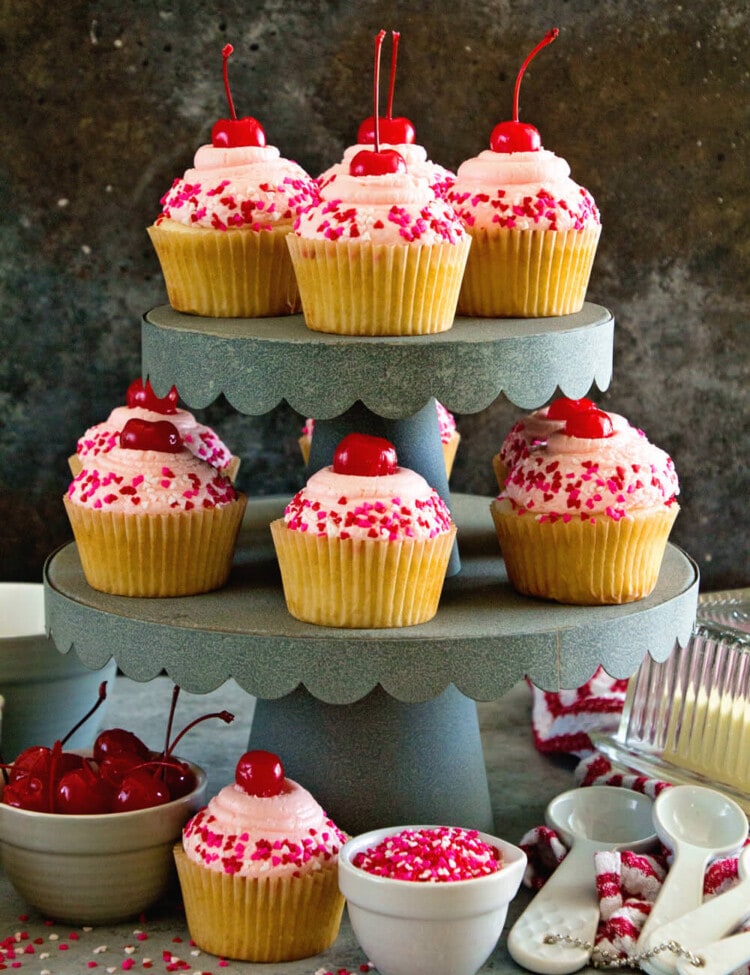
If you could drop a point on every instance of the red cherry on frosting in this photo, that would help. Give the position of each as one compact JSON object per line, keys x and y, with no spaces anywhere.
{"x":395,"y":131}
{"x":138,"y":434}
{"x":233,"y":131}
{"x":591,"y":425}
{"x":260,"y":773}
{"x":142,"y":395}
{"x":365,"y":456}
{"x":562,"y":408}
{"x":377,"y":161}
{"x":515,"y":136}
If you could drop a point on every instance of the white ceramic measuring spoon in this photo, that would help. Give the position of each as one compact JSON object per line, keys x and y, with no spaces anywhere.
{"x":720,"y":958}
{"x":588,"y":819}
{"x":698,"y":824}
{"x":712,"y":920}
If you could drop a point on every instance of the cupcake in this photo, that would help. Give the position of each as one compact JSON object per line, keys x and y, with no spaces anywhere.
{"x":365,"y":543}
{"x":584,"y":517}
{"x":395,"y":133}
{"x":534,"y":230}
{"x":449,"y":437}
{"x":221,"y":234}
{"x":258,"y":868}
{"x":535,"y":428}
{"x":142,"y":403}
{"x":150,"y":518}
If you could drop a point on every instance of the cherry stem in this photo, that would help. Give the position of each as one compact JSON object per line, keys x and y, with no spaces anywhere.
{"x":54,"y":761}
{"x":392,"y":84}
{"x":170,"y":720}
{"x":100,"y":700}
{"x":225,"y":716}
{"x":376,"y":85}
{"x":225,"y":54}
{"x":547,"y":39}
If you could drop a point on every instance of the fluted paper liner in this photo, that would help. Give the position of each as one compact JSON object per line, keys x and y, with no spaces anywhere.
{"x":230,"y":471}
{"x":235,"y":273}
{"x":584,"y":562}
{"x":361,"y":582}
{"x":269,"y":919}
{"x":355,"y":287}
{"x":179,"y":553}
{"x":527,"y":273}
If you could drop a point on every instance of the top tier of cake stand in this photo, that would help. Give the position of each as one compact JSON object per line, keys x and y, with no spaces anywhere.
{"x":485,"y":636}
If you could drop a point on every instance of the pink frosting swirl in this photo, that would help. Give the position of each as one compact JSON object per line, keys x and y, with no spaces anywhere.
{"x":258,"y":836}
{"x":389,"y":507}
{"x":572,"y":477}
{"x":149,"y":482}
{"x":395,"y":208}
{"x":248,"y":187}
{"x":521,"y":191}
{"x":201,"y":441}
{"x":439,"y":179}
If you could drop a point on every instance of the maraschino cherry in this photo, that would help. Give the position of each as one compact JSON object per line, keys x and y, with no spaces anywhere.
{"x":377,"y":161}
{"x":396,"y":131}
{"x":365,"y":456}
{"x":139,"y":434}
{"x":515,"y":136}
{"x":233,"y":131}
{"x":591,"y":425}
{"x":142,"y":395}
{"x":260,"y":773}
{"x":562,"y":408}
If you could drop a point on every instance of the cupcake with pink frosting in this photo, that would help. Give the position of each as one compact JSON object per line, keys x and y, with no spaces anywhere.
{"x":142,"y":403}
{"x":584,"y":516}
{"x":449,"y":437}
{"x":258,"y":868}
{"x":221,"y":234}
{"x":534,"y":229}
{"x":152,"y":519}
{"x":365,"y":543}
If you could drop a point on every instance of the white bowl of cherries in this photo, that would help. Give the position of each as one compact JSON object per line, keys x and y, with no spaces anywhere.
{"x":87,"y":837}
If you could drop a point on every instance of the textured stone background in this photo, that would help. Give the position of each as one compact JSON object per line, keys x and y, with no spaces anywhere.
{"x":104,"y":103}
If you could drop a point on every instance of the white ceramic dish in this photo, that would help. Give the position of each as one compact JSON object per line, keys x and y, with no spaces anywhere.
{"x":95,"y":869}
{"x":45,"y":691}
{"x":407,"y":927}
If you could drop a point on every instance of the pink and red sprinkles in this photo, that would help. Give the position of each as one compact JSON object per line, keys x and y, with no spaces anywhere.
{"x":435,"y":221}
{"x":541,"y":209}
{"x":388,"y":519}
{"x":441,"y":854}
{"x":96,"y":489}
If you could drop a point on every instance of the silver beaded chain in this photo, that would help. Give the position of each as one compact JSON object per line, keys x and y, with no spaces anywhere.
{"x":607,"y":959}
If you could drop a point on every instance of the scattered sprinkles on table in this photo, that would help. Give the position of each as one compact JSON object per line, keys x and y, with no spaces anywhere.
{"x":433,"y":855}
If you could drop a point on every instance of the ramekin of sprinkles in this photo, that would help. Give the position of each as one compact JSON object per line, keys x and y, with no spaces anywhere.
{"x":433,"y":854}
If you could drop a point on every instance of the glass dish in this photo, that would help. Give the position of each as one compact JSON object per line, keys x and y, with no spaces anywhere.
{"x":687,"y":718}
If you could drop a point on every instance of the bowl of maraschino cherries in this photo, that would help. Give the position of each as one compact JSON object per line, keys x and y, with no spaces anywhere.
{"x":87,"y":837}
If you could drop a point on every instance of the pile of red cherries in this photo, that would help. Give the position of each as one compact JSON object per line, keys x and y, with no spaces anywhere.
{"x":121,"y":775}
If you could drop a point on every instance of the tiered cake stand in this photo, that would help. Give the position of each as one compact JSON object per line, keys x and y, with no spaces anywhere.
{"x":381,"y":725}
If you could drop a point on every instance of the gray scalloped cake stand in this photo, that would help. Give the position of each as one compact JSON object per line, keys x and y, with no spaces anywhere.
{"x":380,"y":724}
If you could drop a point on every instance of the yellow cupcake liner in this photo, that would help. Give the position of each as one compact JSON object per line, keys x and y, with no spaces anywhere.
{"x":236,"y":273}
{"x":180,"y":553}
{"x":368,"y":583}
{"x":584,"y":562}
{"x":355,"y":287}
{"x":527,"y":273}
{"x":269,"y":919}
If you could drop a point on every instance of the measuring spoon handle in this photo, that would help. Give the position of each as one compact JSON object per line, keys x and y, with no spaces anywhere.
{"x":721,"y":957}
{"x":567,"y":905}
{"x":682,"y":891}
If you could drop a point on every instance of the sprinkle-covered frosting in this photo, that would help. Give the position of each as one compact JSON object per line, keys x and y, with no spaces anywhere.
{"x":575,"y":478}
{"x":433,"y":855}
{"x":246,"y":187}
{"x":439,"y":179}
{"x":149,"y":482}
{"x":389,"y":507}
{"x":257,"y":836}
{"x":446,"y":422}
{"x":200,"y":440}
{"x":396,"y":208}
{"x":521,"y":191}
